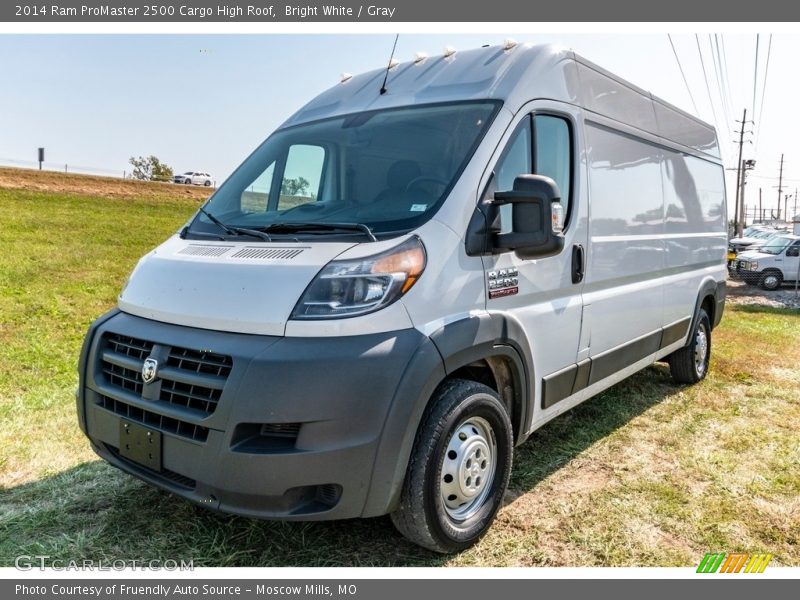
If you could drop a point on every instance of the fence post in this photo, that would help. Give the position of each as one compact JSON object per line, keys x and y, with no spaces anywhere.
{"x":65,"y":168}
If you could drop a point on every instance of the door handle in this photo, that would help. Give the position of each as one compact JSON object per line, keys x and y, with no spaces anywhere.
{"x":578,"y":263}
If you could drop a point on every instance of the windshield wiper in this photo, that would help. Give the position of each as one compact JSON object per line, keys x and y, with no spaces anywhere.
{"x":233,"y":230}
{"x":297,"y":227}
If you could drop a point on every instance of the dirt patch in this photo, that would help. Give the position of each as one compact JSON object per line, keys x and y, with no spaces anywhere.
{"x":741,"y":293}
{"x":91,"y":185}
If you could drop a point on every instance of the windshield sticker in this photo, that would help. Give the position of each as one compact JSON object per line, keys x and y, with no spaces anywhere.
{"x":418,"y":208}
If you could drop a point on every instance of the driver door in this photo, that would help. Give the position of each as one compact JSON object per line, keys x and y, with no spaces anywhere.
{"x":544,"y":295}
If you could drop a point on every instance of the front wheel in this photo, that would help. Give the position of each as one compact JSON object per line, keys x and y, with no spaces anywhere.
{"x":690,"y":363}
{"x":771,"y":280}
{"x":459,"y":468}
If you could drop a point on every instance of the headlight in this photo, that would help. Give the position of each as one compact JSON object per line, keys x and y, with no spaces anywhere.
{"x":347,"y":288}
{"x":752,"y":265}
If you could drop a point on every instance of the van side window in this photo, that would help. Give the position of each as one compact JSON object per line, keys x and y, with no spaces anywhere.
{"x":302,"y":175}
{"x":554,"y":154}
{"x":255,"y":197}
{"x":516,"y":160}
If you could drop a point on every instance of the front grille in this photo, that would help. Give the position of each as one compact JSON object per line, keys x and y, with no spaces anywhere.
{"x":129,"y":346}
{"x":191,"y":431}
{"x":127,"y":379}
{"x":191,"y":379}
{"x":200,"y":361}
{"x":165,"y":474}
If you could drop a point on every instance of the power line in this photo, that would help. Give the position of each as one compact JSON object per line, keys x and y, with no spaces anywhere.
{"x":720,"y":88}
{"x":705,"y":77}
{"x":771,"y":177}
{"x":719,"y":39}
{"x":755,"y":74}
{"x":686,"y":83}
{"x":725,"y":60}
{"x":763,"y":91}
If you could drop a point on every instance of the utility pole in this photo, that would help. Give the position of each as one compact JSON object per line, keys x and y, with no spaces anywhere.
{"x":780,"y":189}
{"x":760,"y":210}
{"x":786,"y":207}
{"x":737,"y":229}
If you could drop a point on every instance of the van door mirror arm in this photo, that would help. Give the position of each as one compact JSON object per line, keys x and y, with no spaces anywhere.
{"x":536,"y":218}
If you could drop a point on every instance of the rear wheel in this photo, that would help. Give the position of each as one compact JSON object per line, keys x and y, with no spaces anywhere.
{"x":459,"y":468}
{"x":207,"y":183}
{"x":690,"y":363}
{"x":771,"y":280}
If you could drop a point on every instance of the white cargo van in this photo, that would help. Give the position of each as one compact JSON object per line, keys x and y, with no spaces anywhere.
{"x":405,"y":281}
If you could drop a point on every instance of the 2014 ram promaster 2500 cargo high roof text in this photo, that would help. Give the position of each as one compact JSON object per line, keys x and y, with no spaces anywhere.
{"x":480,"y":244}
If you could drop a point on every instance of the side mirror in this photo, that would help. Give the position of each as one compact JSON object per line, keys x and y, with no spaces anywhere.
{"x":537,"y":218}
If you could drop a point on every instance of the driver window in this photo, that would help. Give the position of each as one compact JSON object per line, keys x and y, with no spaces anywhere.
{"x":255,"y":197}
{"x":554,"y":154}
{"x":516,"y":160}
{"x":793,"y":250}
{"x":301,"y":176}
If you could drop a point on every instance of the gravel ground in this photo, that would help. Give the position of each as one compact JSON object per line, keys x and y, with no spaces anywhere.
{"x":741,"y":293}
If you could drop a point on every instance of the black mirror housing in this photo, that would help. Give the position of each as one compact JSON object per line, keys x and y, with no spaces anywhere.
{"x":532,"y":234}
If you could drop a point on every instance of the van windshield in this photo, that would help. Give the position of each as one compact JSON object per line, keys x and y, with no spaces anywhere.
{"x":775,"y":245}
{"x":762,"y":235}
{"x":387,"y":169}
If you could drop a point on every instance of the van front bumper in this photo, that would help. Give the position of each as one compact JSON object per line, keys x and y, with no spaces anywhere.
{"x":261,"y":426}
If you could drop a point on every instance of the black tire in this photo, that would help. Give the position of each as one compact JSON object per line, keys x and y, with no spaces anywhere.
{"x":687,"y":365}
{"x":770,"y":281}
{"x":187,"y":181}
{"x":424,"y":516}
{"x":207,"y":183}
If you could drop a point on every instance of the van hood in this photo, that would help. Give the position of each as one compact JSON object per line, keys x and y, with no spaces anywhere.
{"x":754,"y":255}
{"x":225,"y":286}
{"x":743,"y":241}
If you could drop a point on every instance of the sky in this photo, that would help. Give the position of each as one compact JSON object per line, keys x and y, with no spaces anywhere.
{"x":203,"y":102}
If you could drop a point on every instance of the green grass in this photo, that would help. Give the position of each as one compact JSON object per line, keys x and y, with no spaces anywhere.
{"x":648,"y":473}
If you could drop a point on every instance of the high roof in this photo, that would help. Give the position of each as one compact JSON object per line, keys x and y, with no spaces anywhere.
{"x":514,"y":75}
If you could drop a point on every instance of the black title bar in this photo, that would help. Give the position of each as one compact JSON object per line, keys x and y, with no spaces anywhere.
{"x":441,"y":11}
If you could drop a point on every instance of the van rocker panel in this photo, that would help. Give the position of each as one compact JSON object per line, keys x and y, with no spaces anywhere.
{"x":329,"y":399}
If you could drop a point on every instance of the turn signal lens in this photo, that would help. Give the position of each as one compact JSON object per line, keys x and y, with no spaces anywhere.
{"x":558,"y":217}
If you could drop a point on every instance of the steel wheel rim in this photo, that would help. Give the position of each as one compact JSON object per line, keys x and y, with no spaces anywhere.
{"x":468,"y":468}
{"x":700,"y":349}
{"x":771,"y":281}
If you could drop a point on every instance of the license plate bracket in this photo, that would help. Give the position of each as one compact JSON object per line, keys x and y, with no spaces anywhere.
{"x":140,"y":444}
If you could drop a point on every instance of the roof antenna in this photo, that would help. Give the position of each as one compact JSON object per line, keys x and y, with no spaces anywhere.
{"x":389,"y":65}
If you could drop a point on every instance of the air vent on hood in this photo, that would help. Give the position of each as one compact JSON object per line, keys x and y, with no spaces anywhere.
{"x":261,"y":253}
{"x":198,"y":250}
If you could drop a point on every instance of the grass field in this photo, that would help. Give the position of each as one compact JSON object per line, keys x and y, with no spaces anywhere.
{"x":648,"y":473}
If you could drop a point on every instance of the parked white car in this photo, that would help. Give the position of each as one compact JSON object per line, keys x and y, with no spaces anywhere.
{"x":194,"y":178}
{"x":772,"y":264}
